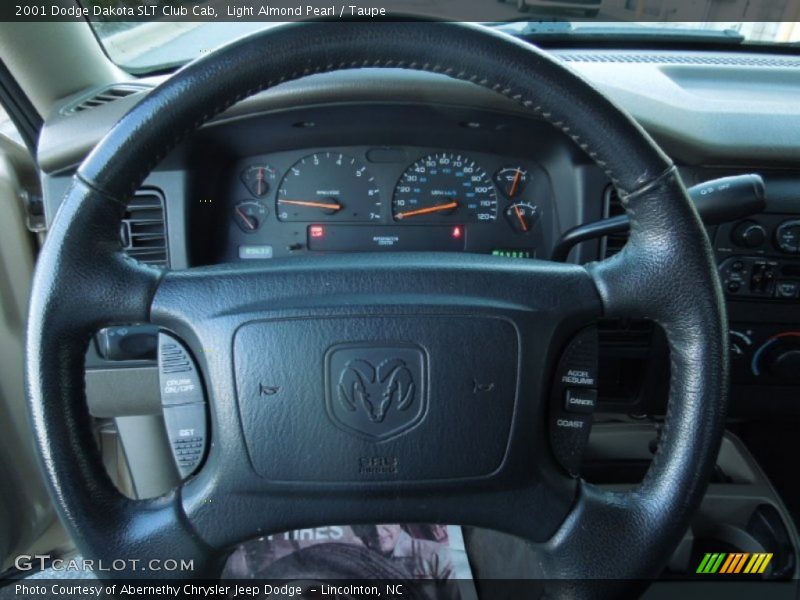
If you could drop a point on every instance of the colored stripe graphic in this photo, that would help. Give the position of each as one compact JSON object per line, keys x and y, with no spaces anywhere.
{"x":702,"y":567}
{"x":711,"y":562}
{"x":740,"y":563}
{"x":767,"y":558}
{"x":726,"y":566}
{"x":758,"y":564}
{"x":717,"y":563}
{"x":733,"y":563}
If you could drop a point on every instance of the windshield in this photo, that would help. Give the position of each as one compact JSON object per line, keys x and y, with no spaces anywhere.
{"x":143,"y":46}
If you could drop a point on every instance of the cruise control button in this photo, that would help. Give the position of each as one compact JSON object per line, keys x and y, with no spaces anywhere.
{"x":578,"y":365}
{"x":569,"y":434}
{"x":183,"y":404}
{"x":573,"y":400}
{"x":186,"y":422}
{"x":586,"y":377}
{"x":580,"y":400}
{"x":177,"y":373}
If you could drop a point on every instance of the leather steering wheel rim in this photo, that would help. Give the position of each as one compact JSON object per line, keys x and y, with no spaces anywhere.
{"x":665,"y":273}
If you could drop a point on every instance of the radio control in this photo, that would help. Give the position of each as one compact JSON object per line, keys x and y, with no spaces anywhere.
{"x":787,"y":237}
{"x":787,"y":289}
{"x":758,"y":277}
{"x":749,"y":234}
{"x":762,"y":277}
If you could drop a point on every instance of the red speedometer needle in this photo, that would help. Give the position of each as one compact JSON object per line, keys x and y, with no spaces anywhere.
{"x":326,"y":205}
{"x":520,"y":217}
{"x":426,"y":210}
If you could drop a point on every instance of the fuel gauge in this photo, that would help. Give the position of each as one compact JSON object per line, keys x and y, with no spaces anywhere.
{"x":522,"y":216}
{"x":259,"y":179}
{"x":511,"y":181}
{"x":249,"y":215}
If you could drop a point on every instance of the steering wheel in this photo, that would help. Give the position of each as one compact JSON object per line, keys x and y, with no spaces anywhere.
{"x":284,"y":462}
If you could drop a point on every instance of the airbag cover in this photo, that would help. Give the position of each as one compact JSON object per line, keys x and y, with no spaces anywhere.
{"x":376,"y":398}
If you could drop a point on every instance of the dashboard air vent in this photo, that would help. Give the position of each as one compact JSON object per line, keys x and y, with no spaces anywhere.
{"x":105,"y":96}
{"x":144,"y":229}
{"x":612,"y":207}
{"x":683,"y":59}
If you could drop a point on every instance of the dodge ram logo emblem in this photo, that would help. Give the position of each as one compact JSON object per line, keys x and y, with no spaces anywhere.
{"x":363,"y":386}
{"x":376,"y":392}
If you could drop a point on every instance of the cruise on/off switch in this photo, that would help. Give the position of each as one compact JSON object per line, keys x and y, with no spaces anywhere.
{"x":573,"y":399}
{"x":183,"y":402}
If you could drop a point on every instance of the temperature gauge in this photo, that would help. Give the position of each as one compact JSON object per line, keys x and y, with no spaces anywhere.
{"x":249,"y":215}
{"x":511,"y":181}
{"x":522,"y":216}
{"x":259,"y":179}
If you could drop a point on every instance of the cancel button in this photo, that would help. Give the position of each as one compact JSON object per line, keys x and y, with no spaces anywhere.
{"x":580,"y":400}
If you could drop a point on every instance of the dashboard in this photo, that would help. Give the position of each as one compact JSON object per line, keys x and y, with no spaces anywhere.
{"x":385,"y":198}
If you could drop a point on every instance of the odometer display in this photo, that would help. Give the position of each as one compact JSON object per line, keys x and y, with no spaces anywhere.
{"x":444,"y":187}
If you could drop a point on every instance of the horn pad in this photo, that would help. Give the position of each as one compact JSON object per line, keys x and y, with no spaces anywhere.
{"x":377,"y":398}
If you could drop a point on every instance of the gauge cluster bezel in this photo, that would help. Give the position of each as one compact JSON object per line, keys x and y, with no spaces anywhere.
{"x":386,"y":165}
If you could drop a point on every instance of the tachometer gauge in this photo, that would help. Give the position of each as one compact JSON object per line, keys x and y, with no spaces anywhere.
{"x":444,"y":187}
{"x":259,"y":179}
{"x":328,"y":186}
{"x":249,"y":215}
{"x":511,"y":180}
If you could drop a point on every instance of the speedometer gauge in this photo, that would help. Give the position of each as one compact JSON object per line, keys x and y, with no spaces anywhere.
{"x":444,"y":187}
{"x":328,"y":186}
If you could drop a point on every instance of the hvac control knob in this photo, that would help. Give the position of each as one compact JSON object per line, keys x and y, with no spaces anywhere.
{"x":748,"y":234}
{"x":779,"y":358}
{"x":785,"y":365}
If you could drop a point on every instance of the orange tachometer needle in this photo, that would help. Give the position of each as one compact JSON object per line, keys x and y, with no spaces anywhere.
{"x":325,"y":205}
{"x":515,"y":184}
{"x":520,"y":217}
{"x":426,"y":210}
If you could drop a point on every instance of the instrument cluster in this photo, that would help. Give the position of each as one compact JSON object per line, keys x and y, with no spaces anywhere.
{"x":366,"y":199}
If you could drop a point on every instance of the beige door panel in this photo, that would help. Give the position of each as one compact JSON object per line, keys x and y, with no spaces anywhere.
{"x":25,"y":508}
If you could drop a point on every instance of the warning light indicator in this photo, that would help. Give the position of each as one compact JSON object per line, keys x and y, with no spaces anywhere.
{"x":458,"y":232}
{"x":316,"y":231}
